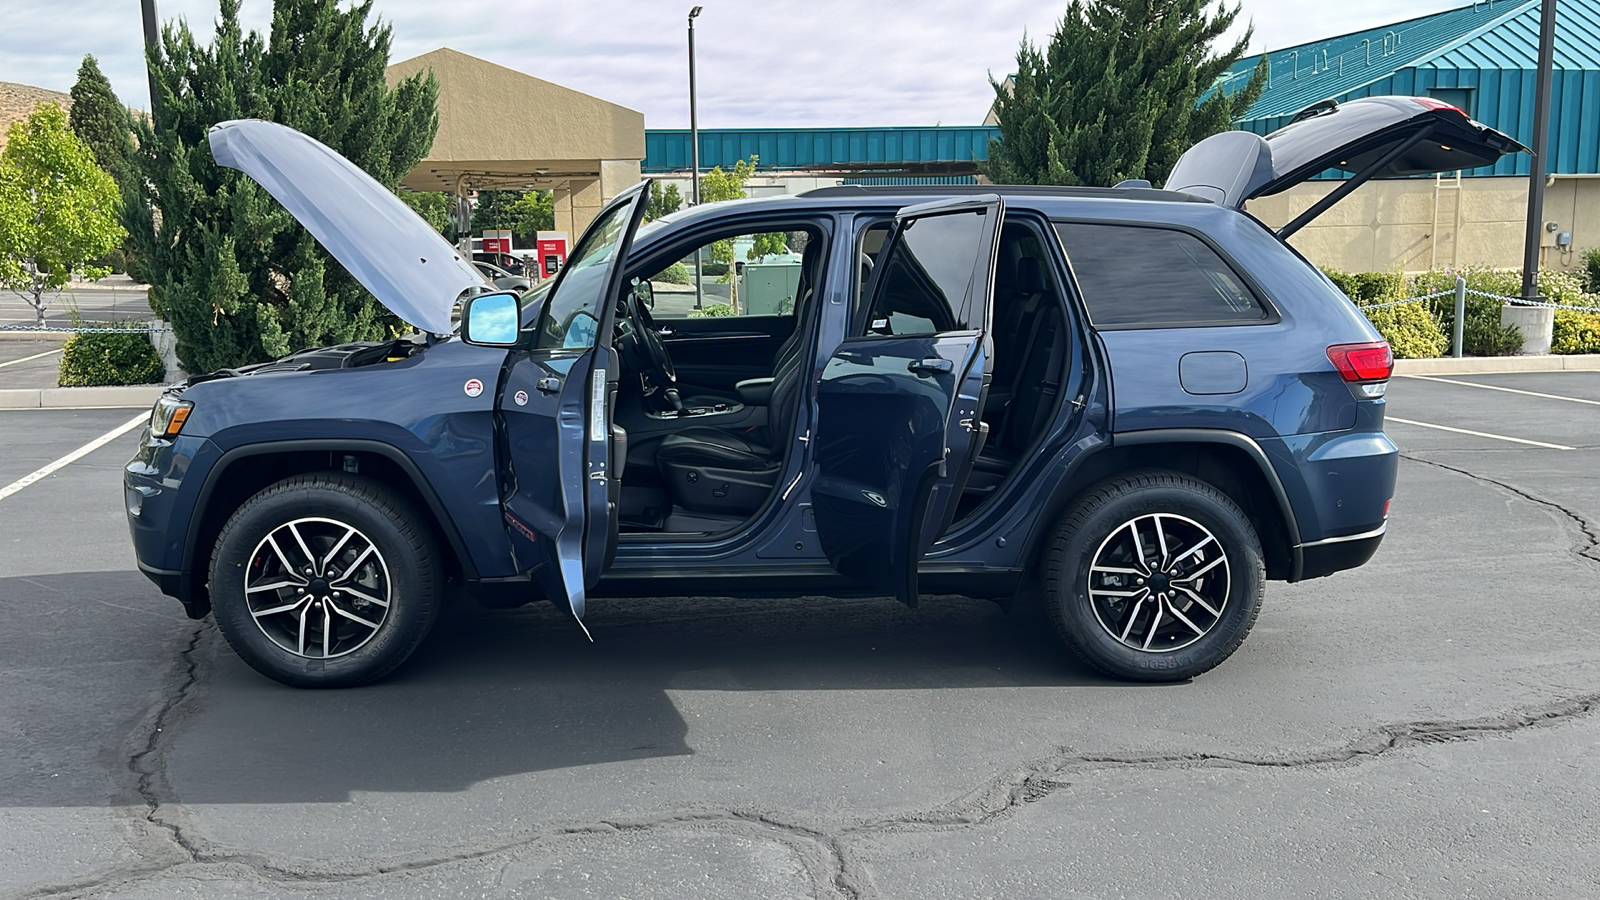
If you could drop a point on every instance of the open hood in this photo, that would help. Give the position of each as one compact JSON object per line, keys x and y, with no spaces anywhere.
{"x":384,"y":244}
{"x":1371,"y":137}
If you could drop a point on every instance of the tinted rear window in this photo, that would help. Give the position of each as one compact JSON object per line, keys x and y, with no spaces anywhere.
{"x":1142,"y":276}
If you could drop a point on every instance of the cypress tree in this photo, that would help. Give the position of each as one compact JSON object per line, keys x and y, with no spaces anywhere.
{"x":1120,"y":91}
{"x":237,"y":277}
{"x":100,"y":120}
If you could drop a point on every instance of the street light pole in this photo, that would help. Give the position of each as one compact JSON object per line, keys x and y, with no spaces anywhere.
{"x":1541,"y":147}
{"x":694,"y":121}
{"x":694,"y":164}
{"x":151,"y":36}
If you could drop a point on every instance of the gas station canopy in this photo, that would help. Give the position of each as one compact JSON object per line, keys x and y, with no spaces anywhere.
{"x":500,"y":129}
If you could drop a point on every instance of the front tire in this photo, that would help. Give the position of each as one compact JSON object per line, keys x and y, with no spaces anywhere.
{"x":325,"y":580}
{"x":1154,"y":576}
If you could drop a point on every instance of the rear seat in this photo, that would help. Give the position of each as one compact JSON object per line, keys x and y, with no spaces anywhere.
{"x":1029,"y":345}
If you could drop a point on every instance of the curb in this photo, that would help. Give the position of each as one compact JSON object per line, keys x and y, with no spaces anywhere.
{"x":1489,"y":365}
{"x":141,"y":395}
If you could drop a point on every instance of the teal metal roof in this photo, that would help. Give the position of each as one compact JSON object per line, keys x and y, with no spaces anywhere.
{"x":938,"y":150}
{"x":1481,"y":56}
{"x":1332,"y":67}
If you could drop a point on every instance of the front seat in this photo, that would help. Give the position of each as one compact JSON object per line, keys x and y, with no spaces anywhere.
{"x":711,"y":471}
{"x":758,"y":391}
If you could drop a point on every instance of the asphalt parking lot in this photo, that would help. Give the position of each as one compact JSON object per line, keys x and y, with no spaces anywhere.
{"x":1420,"y":727}
{"x":112,"y":299}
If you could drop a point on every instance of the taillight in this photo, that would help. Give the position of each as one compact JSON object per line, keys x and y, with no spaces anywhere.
{"x":1362,"y":362}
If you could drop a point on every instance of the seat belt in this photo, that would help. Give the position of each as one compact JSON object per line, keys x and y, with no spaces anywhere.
{"x":1052,"y":380}
{"x":1030,"y":308}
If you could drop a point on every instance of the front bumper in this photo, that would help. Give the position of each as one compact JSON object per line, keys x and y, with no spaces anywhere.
{"x":158,"y":501}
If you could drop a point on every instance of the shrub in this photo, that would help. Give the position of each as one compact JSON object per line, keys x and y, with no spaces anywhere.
{"x":1368,"y":287}
{"x":1483,"y":335}
{"x":1591,"y":270}
{"x":1575,"y":332}
{"x":712,"y":311}
{"x":123,"y":356}
{"x":116,"y":259}
{"x":1410,"y":330}
{"x":677,"y":273}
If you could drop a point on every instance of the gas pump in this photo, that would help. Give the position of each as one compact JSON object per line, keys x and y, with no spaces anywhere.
{"x":552,"y":250}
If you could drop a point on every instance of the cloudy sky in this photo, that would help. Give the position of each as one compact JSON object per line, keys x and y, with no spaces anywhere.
{"x":814,"y":63}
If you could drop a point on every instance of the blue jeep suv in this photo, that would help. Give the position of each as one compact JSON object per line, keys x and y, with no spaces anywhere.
{"x":1142,"y":403}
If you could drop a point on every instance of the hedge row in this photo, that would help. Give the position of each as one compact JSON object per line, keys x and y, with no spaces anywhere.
{"x":1421,"y":330}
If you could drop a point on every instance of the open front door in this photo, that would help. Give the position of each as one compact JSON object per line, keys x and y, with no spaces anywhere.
{"x":563,"y":462}
{"x":900,"y":402}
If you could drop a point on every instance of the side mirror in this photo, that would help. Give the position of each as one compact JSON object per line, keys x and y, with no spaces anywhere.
{"x":644,"y":293}
{"x":492,"y":320}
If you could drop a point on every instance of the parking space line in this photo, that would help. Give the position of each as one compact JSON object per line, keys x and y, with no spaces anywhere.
{"x":1496,"y":387}
{"x":26,"y":358}
{"x":1482,"y":434}
{"x":75,"y":455}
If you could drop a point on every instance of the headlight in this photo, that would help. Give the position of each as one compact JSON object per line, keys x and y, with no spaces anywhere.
{"x":167,"y":419}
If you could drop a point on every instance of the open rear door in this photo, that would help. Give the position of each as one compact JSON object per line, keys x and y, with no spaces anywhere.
{"x":1370,"y":137}
{"x":900,"y":402}
{"x":563,"y":459}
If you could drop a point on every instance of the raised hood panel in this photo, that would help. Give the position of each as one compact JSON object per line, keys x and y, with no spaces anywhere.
{"x":386,"y":246}
{"x":1355,"y":136}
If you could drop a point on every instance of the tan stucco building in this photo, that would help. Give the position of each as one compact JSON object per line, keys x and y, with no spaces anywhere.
{"x":502,"y":129}
{"x":1414,"y":224}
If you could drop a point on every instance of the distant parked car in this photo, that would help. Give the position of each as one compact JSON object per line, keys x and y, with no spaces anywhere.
{"x":506,"y":261}
{"x":502,"y":279}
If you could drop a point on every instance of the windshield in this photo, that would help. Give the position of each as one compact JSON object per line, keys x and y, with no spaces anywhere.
{"x":570,"y":318}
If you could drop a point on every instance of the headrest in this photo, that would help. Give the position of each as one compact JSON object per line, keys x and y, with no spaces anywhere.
{"x":1030,"y":276}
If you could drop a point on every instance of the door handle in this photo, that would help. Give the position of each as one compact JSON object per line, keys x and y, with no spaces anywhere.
{"x":932,"y":366}
{"x":548,"y":385}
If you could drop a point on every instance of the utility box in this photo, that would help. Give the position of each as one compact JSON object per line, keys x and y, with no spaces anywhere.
{"x":769,"y":289}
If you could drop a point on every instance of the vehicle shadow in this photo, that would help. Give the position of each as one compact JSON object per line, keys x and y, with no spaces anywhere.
{"x":491,"y":693}
{"x":496,"y":693}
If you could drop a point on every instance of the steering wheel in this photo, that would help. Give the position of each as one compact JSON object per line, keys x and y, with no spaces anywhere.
{"x":641,"y":344}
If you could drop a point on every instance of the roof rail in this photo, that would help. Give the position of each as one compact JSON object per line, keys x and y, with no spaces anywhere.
{"x":1130,"y":192}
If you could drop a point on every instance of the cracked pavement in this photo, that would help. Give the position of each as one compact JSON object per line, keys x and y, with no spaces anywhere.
{"x":1423,"y":726}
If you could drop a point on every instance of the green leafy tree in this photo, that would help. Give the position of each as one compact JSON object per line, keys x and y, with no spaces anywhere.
{"x":58,"y":209}
{"x":533,"y":212}
{"x":1122,"y":88}
{"x":436,"y":207}
{"x":523,"y":213}
{"x":492,"y":211}
{"x":719,"y":185}
{"x":663,"y":201}
{"x":237,"y":277}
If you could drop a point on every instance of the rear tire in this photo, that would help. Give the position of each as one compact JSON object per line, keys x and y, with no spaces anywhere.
{"x":325,"y":580}
{"x":1154,"y":576}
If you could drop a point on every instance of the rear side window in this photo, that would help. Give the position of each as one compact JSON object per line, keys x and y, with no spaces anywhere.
{"x":1135,"y":276}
